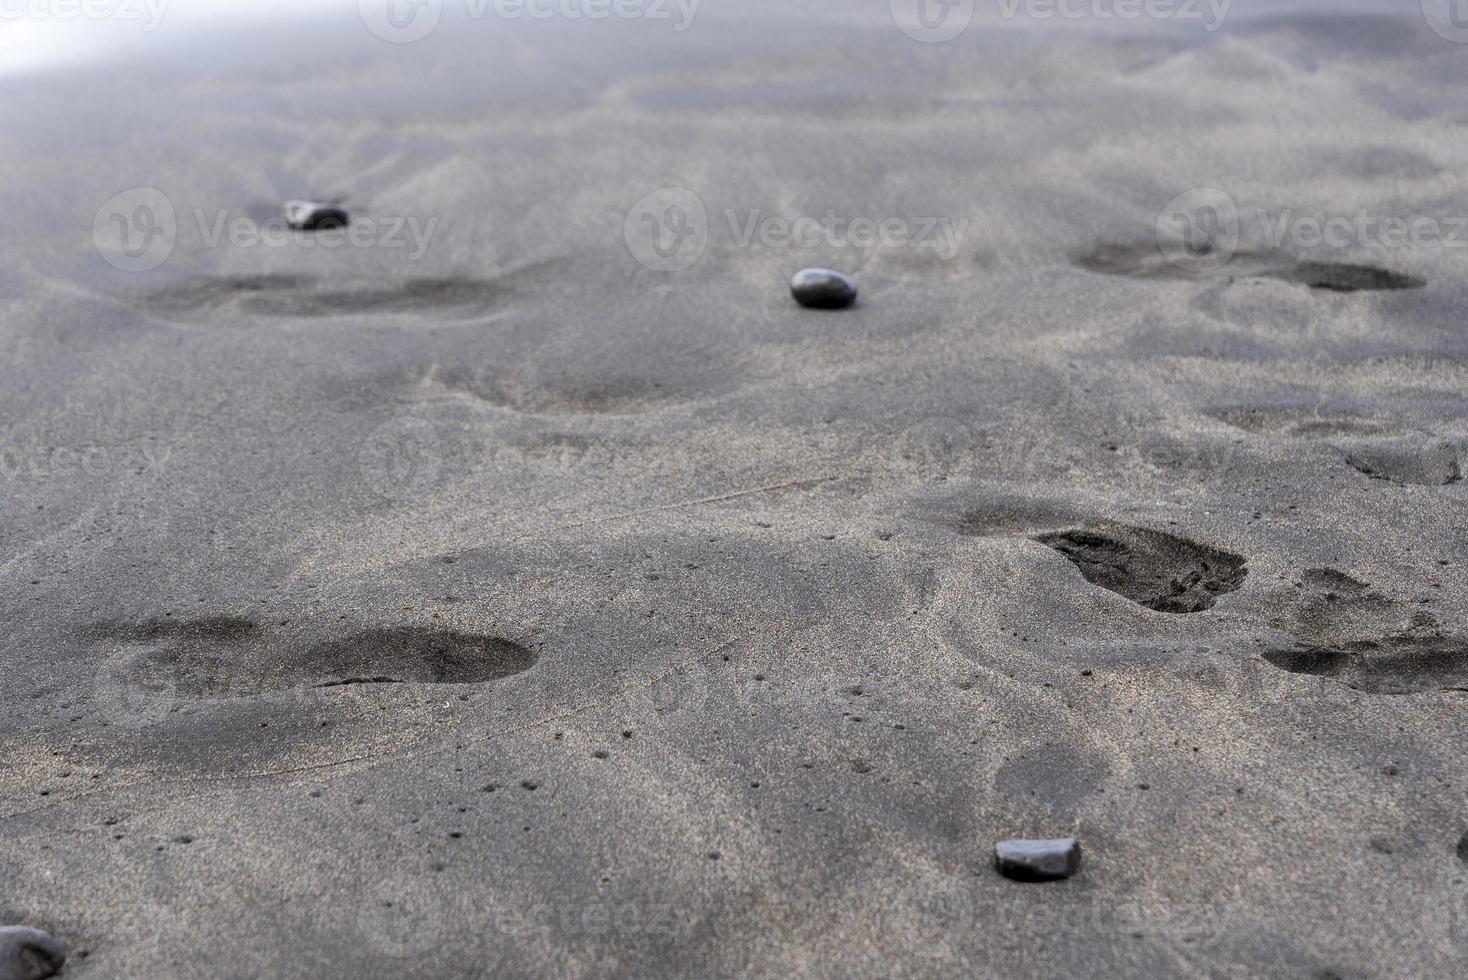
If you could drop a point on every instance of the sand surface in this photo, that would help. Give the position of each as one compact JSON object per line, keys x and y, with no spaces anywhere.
{"x":540,"y":603}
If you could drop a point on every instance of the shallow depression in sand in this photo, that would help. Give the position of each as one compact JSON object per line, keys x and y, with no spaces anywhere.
{"x":1160,"y":571}
{"x":223,"y":657}
{"x":1394,"y":665}
{"x":1149,"y":261}
{"x":306,"y":296}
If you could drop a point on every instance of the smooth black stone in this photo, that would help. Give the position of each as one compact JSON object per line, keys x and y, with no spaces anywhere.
{"x":29,"y":954}
{"x":311,"y":216}
{"x":1038,"y":860}
{"x":822,"y":289}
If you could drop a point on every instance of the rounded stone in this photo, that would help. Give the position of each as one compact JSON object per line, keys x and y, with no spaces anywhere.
{"x":1038,"y":860}
{"x":314,"y":216}
{"x":29,"y":954}
{"x":822,"y":289}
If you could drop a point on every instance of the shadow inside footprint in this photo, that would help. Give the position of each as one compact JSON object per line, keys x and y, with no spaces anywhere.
{"x":1395,"y":665}
{"x":405,"y":656}
{"x":1149,"y":260}
{"x":226,"y":658}
{"x":1406,"y":461}
{"x":1344,"y":278}
{"x":1162,"y":572}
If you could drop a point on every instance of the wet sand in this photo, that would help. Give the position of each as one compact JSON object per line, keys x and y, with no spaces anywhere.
{"x":514,"y":597}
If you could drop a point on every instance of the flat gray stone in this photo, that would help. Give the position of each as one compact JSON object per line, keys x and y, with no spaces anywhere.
{"x":1038,"y":860}
{"x":315,"y":216}
{"x":29,"y":954}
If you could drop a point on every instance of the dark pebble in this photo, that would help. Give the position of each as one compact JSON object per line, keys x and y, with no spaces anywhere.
{"x":29,"y":954}
{"x":1038,"y":860}
{"x":311,"y":216}
{"x":822,"y":289}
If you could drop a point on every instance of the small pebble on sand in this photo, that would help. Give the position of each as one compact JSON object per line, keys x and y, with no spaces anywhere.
{"x":315,"y":216}
{"x":822,"y":289}
{"x":1038,"y":860}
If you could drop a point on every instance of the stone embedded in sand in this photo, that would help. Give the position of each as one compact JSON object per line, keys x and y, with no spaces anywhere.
{"x":822,"y":289}
{"x":1038,"y":860}
{"x":29,"y":954}
{"x":314,"y":216}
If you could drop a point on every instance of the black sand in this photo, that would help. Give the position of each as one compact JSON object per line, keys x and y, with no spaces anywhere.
{"x":521,"y":609}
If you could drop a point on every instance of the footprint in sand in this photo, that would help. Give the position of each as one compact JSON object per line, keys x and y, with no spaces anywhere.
{"x":207,"y":298}
{"x":159,"y":665}
{"x":1392,"y":665}
{"x":1150,"y":261}
{"x":1162,"y":572}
